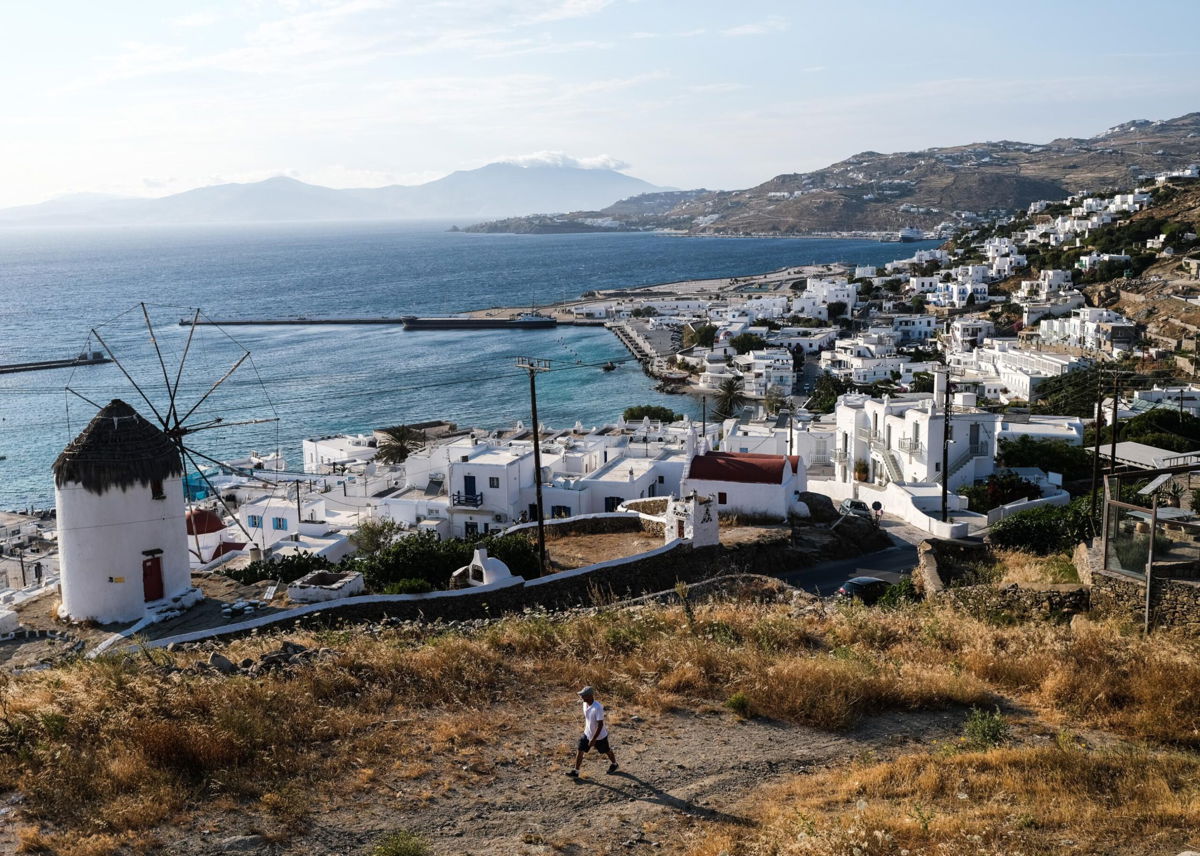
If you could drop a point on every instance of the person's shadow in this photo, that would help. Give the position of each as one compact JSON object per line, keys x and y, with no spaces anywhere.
{"x":660,"y":797}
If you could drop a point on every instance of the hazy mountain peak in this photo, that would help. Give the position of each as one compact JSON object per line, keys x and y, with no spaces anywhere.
{"x":503,"y":188}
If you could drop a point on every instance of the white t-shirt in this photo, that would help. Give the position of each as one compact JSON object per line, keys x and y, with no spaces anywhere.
{"x":593,"y":718}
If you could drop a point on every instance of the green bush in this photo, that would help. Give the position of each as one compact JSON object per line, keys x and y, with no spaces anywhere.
{"x":744,"y":343}
{"x":999,"y":489}
{"x":656,"y":413}
{"x":739,"y":703}
{"x":286,"y":569}
{"x":424,"y":556}
{"x":1046,"y":529}
{"x":985,"y":729}
{"x":410,"y":586}
{"x":401,"y":844}
{"x":898,"y":594}
{"x":1052,"y":456}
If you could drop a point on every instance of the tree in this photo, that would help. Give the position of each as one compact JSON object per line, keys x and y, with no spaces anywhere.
{"x":702,"y":336}
{"x":657,"y":413}
{"x":1052,"y":456}
{"x":999,"y":489}
{"x":398,"y":443}
{"x":375,"y":535}
{"x":775,"y":399}
{"x":731,"y":397}
{"x":922,"y":382}
{"x":826,"y":392}
{"x":836,"y":309}
{"x":918,"y":304}
{"x":744,"y":343}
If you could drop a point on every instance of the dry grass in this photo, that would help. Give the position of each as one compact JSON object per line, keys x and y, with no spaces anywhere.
{"x":1030,"y":569}
{"x":111,"y":747}
{"x":1016,"y":800}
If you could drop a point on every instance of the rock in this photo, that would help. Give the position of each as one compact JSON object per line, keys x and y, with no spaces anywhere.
{"x":241,"y":843}
{"x":246,"y":663}
{"x":222,"y":663}
{"x":820,"y":507}
{"x":290,"y":647}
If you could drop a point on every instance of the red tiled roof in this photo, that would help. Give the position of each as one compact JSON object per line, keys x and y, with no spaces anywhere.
{"x":226,"y":547}
{"x":203,"y":522}
{"x":742,"y":467}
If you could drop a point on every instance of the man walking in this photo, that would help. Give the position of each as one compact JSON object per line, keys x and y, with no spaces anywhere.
{"x":595,"y":732}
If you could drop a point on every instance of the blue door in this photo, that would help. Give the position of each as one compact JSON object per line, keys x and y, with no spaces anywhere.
{"x":469,"y":485}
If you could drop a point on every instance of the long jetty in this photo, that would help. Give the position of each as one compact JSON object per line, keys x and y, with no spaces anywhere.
{"x":13,"y":368}
{"x":258,"y":322}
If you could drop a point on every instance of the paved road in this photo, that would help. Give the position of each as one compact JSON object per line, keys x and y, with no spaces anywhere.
{"x":889,"y":564}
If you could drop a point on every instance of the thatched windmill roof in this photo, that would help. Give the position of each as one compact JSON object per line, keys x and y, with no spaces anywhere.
{"x":118,"y":448}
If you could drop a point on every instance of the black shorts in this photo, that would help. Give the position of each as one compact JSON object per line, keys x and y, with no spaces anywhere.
{"x":601,"y":745}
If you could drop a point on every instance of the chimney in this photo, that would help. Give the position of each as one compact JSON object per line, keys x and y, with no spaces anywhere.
{"x":939,"y":388}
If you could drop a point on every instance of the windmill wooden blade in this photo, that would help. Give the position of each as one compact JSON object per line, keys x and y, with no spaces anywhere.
{"x":161,"y":362}
{"x":187,"y":346}
{"x":129,"y":377}
{"x":216,"y":493}
{"x":213,"y":388}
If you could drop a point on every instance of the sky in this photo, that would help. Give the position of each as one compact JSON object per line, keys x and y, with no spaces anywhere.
{"x":150,"y":97}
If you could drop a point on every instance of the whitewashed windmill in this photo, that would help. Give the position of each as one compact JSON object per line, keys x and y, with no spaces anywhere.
{"x":119,"y":490}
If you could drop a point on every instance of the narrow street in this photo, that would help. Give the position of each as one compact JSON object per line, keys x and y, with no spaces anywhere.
{"x":889,"y":564}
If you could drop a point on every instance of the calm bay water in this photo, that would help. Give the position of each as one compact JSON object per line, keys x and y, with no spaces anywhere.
{"x":56,"y":285}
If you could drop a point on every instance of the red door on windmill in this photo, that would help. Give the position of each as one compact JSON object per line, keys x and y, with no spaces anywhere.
{"x":152,"y":578}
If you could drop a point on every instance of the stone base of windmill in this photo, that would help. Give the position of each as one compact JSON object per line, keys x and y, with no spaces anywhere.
{"x":173,"y":607}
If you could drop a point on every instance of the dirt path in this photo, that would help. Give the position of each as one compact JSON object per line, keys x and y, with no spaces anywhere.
{"x":511,"y":795}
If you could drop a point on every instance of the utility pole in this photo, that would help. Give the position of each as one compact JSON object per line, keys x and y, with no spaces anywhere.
{"x":533,"y":367}
{"x":703,"y":416}
{"x":1099,"y":426}
{"x":1112,"y":453}
{"x":21,"y":559}
{"x":946,"y":446}
{"x":299,"y":516}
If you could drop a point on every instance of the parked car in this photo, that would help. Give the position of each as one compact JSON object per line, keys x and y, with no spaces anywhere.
{"x":866,"y":589}
{"x":856,"y":507}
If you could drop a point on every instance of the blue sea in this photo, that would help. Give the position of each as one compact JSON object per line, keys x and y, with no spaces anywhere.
{"x":57,"y":285}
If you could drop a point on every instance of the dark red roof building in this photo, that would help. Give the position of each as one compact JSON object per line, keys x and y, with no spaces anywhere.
{"x":744,"y":467}
{"x":202,"y":521}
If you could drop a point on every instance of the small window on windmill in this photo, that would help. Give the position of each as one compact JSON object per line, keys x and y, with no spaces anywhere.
{"x":156,"y":489}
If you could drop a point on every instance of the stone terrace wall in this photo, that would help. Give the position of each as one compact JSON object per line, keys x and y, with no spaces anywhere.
{"x":597,"y":584}
{"x":1176,"y":602}
{"x":590,"y":524}
{"x":1046,"y":601}
{"x":654,"y":506}
{"x":941,"y":564}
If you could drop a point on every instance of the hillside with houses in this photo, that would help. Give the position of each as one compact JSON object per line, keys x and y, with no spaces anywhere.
{"x":934,"y":190}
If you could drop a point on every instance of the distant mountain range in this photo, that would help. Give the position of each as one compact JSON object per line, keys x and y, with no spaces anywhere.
{"x":495,"y":190}
{"x":886,"y":192}
{"x":869,"y":191}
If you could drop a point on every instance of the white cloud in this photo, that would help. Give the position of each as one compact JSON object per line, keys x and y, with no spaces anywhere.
{"x":563,"y":159}
{"x":685,"y":34}
{"x":196,"y":20}
{"x":773,"y":24}
{"x":716,"y":88}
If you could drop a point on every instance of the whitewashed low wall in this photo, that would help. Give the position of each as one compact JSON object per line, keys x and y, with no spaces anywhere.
{"x":474,"y":591}
{"x":1000,"y":512}
{"x":567,"y":521}
{"x":308,"y":609}
{"x":611,"y":563}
